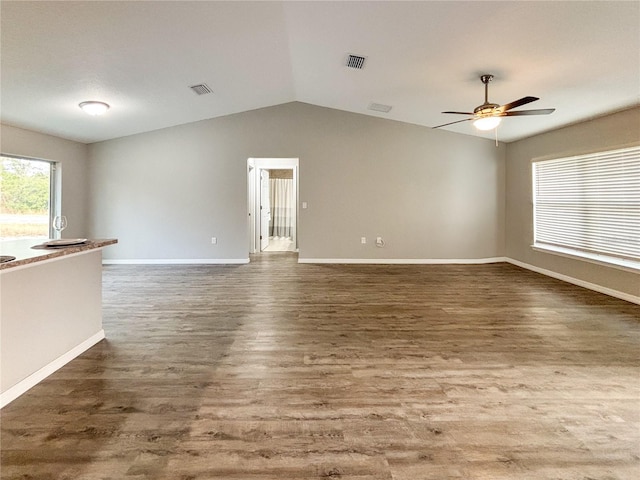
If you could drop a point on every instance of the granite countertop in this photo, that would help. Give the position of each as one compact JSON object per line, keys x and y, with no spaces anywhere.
{"x":25,"y":254}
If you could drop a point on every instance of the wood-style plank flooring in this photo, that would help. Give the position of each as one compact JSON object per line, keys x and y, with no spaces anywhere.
{"x":277,"y":370}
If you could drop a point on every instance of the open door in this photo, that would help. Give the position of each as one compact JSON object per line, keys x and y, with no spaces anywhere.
{"x":265,"y":209}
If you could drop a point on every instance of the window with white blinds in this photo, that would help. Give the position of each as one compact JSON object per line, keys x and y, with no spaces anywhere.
{"x":589,"y":205}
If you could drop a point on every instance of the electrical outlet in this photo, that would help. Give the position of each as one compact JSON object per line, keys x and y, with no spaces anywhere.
{"x":363,"y":240}
{"x":214,"y":240}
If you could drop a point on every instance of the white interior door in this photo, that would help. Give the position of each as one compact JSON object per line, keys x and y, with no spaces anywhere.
{"x":265,"y":209}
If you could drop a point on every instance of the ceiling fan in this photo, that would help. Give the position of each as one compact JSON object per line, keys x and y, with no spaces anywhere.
{"x":489,"y":115}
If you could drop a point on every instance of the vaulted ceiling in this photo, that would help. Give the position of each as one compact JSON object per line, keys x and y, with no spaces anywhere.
{"x":422,"y":58}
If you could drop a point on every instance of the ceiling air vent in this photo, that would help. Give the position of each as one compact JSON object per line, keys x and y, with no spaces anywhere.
{"x":378,"y":107}
{"x":201,"y":89}
{"x":355,"y":61}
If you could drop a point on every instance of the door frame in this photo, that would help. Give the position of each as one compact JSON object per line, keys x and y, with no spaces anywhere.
{"x":265,"y":208}
{"x":254,"y":166}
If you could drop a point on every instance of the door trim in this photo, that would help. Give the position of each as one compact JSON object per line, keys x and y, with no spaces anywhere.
{"x":254,"y":165}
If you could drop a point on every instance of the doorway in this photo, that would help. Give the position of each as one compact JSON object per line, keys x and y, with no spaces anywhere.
{"x":272,"y":204}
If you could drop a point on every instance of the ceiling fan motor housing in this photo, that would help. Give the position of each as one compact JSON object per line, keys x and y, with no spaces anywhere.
{"x":485,"y":109}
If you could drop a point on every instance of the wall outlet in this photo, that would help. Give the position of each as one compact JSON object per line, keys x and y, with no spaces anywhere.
{"x":363,"y":240}
{"x":214,"y":240}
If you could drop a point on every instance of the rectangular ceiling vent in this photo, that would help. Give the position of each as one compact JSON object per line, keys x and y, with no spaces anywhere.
{"x":356,"y":61}
{"x":379,"y":107}
{"x":201,"y":89}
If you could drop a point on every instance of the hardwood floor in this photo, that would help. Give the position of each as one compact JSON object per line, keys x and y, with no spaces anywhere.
{"x":279,"y":370}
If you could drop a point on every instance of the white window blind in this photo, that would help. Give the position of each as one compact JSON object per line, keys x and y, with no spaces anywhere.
{"x":589,"y":204}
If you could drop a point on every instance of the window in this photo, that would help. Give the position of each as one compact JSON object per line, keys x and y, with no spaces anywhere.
{"x":25,"y":197}
{"x":589,"y":206}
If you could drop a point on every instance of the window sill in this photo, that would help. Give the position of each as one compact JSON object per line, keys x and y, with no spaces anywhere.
{"x":604,"y":260}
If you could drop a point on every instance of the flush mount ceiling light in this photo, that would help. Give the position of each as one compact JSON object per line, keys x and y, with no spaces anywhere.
{"x":94,"y":108}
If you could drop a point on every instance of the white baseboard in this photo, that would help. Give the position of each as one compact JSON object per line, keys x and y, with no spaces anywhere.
{"x":581,"y":283}
{"x":177,"y":261}
{"x":32,"y":380}
{"x":404,"y":261}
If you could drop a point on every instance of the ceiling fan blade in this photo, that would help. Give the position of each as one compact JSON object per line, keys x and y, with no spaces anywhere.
{"x":460,"y":113}
{"x":518,"y":103}
{"x":541,"y":111}
{"x":451,"y":123}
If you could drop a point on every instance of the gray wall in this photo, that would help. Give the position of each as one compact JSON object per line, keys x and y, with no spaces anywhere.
{"x":431,"y":194}
{"x":73,"y":158}
{"x":609,"y":132}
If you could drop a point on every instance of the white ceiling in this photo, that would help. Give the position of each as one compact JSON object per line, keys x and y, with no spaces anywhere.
{"x":583,"y":58}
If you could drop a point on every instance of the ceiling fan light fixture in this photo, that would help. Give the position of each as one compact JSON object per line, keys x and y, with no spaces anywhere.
{"x":487,"y":123}
{"x":94,"y":108}
{"x":489,"y":115}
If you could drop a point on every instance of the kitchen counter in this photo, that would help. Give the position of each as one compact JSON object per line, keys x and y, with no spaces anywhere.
{"x":25,"y":253}
{"x":50,"y":310}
